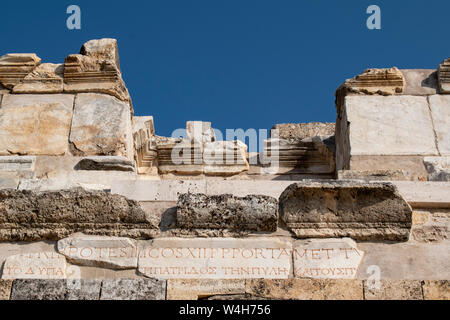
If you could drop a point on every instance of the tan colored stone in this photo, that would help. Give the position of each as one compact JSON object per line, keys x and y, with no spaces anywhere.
{"x":194,"y":289}
{"x":101,"y":125}
{"x":218,"y":258}
{"x":327,"y":259}
{"x":444,"y":76}
{"x":332,"y":209}
{"x":35,"y":124}
{"x":430,"y":233}
{"x":144,"y":144}
{"x":306,"y":289}
{"x":46,"y":78}
{"x":393,"y":290}
{"x":15,"y":66}
{"x":109,"y":252}
{"x":102,"y":49}
{"x":42,"y":265}
{"x":300,"y":131}
{"x":420,"y":217}
{"x":5,"y":289}
{"x":376,"y":81}
{"x":436,"y":290}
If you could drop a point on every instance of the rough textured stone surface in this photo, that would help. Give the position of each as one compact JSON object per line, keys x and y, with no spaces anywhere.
{"x":436,"y":290}
{"x":46,"y":78}
{"x":420,"y":81}
{"x":300,"y":131}
{"x":108,"y":252}
{"x":191,"y":289}
{"x":5,"y":289}
{"x":33,"y":289}
{"x":224,"y":158}
{"x":83,"y":289}
{"x":251,"y":213}
{"x":133,"y":289}
{"x":375,"y":81}
{"x":440,"y":111}
{"x":219,"y":258}
{"x":374,"y":211}
{"x":105,"y":163}
{"x":306,"y":289}
{"x":96,"y":70}
{"x":42,"y":265}
{"x":35,"y":124}
{"x":15,"y":66}
{"x":101,"y":125}
{"x":393,"y":290}
{"x":438,"y":168}
{"x":29,"y":216}
{"x":372,"y":175}
{"x":430,"y":233}
{"x":444,"y":76}
{"x":327,"y":259}
{"x":200,"y":132}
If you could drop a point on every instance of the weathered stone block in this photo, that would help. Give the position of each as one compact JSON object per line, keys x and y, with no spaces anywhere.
{"x":30,"y":216}
{"x":438,"y":168}
{"x":102,"y":49}
{"x":174,"y":258}
{"x":444,"y":76}
{"x":101,"y":125}
{"x":5,"y":289}
{"x":224,"y":158}
{"x":15,"y":66}
{"x":34,"y":289}
{"x":420,"y":82}
{"x":46,"y":78}
{"x":436,"y":290}
{"x":43,"y":265}
{"x":393,"y":290}
{"x":82,"y":289}
{"x":194,"y":289}
{"x":306,"y":289}
{"x":133,"y":289}
{"x":300,"y":131}
{"x":199,"y":132}
{"x":105,"y":163}
{"x":362,"y":211}
{"x":108,"y":252}
{"x":251,"y":213}
{"x":21,"y":166}
{"x":326,"y":259}
{"x":35,"y":124}
{"x":440,"y":111}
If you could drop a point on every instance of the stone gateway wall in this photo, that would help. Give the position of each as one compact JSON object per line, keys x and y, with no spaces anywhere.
{"x":95,"y":205}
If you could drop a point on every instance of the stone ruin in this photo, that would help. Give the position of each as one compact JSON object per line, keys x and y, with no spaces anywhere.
{"x":90,"y":192}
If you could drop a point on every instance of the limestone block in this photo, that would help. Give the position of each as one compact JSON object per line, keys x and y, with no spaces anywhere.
{"x":5,"y":289}
{"x":105,"y":163}
{"x":373,"y":175}
{"x":102,"y":49}
{"x":430,"y":233}
{"x":444,"y":76}
{"x":438,"y":168}
{"x":251,"y":213}
{"x":194,"y":289}
{"x":15,"y":66}
{"x":33,"y":289}
{"x":393,"y":125}
{"x":133,"y":289}
{"x":420,"y":82}
{"x":306,"y":289}
{"x":393,"y":290}
{"x":35,"y":124}
{"x":180,"y":158}
{"x":218,"y":258}
{"x":109,"y":252}
{"x":200,"y":132}
{"x":300,"y":131}
{"x":440,"y":111}
{"x":153,"y":190}
{"x":436,"y":290}
{"x":376,"y":81}
{"x":45,"y":78}
{"x":22,"y":166}
{"x":425,"y":194}
{"x":224,"y":158}
{"x":30,"y":216}
{"x":327,"y":259}
{"x":242,"y":188}
{"x":101,"y":125}
{"x":42,"y":265}
{"x":361,"y":211}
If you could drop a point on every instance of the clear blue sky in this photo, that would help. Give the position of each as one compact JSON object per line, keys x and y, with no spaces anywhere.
{"x":238,"y":63}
